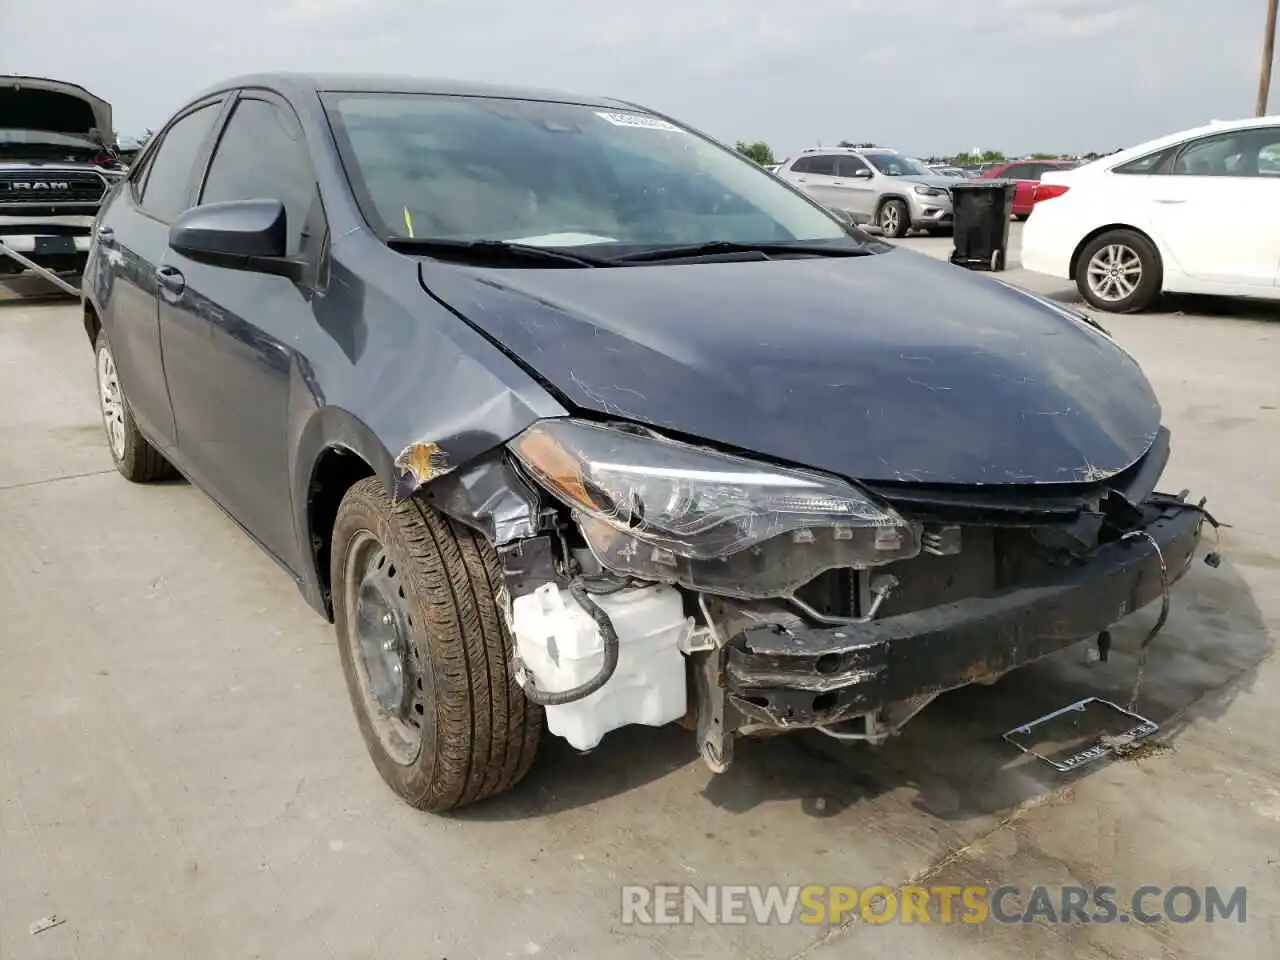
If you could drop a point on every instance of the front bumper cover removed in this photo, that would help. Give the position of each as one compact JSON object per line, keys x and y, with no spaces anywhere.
{"x":802,"y":677}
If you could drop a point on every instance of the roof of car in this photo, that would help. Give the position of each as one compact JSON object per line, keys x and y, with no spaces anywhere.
{"x":1113,"y":160}
{"x":302,"y":83}
{"x":884,"y":150}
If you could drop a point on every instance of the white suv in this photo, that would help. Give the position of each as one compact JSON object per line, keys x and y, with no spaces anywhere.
{"x":874,"y":185}
{"x":1194,"y":212}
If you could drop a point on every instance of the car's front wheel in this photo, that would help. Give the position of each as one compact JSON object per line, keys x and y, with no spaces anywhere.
{"x":894,"y":219}
{"x":426,"y":653}
{"x":132,"y":453}
{"x":1119,"y":271}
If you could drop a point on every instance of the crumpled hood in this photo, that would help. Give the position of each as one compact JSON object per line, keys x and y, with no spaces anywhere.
{"x":53,"y":106}
{"x":891,"y":367}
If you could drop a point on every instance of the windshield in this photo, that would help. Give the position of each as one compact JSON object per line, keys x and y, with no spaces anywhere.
{"x":556,"y":174}
{"x":892,"y":165}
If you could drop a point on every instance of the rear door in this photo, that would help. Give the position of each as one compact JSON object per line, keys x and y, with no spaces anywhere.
{"x":232,"y":398}
{"x":132,"y":238}
{"x":1216,"y":207}
{"x":816,"y":176}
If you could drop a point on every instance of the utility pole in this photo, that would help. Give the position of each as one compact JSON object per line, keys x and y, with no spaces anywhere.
{"x":1268,"y":55}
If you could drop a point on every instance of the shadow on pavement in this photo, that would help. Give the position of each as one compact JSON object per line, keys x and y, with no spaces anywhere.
{"x":1238,"y":308}
{"x":27,"y":289}
{"x":952,"y":755}
{"x":1205,"y":307}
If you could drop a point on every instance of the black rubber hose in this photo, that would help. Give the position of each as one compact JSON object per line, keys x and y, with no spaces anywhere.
{"x":581,"y":592}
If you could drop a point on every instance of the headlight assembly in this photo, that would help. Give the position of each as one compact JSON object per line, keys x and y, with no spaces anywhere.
{"x":926,"y":191}
{"x":662,"y":510}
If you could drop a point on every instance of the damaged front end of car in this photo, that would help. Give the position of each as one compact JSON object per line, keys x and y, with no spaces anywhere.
{"x":649,"y":580}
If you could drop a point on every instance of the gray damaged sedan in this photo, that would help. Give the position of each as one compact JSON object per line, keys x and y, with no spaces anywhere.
{"x":570,"y":418}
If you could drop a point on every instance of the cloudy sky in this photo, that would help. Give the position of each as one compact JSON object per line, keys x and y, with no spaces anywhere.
{"x":922,"y":75}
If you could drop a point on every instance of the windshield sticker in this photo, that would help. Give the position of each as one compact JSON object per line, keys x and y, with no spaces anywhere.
{"x":637,"y":120}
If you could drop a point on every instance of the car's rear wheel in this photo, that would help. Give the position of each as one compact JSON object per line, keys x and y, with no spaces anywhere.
{"x":894,"y":219}
{"x":132,"y":453}
{"x":426,"y":653}
{"x":1119,"y":271}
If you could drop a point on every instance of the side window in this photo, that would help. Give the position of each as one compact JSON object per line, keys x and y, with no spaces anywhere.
{"x":1210,"y":157}
{"x":1152,"y":163}
{"x":824,"y":165}
{"x":262,"y":156}
{"x":1017,"y":171}
{"x":1240,"y":153}
{"x":138,"y":173}
{"x":1269,"y":160}
{"x":802,"y":165}
{"x":848,"y":166}
{"x":168,"y":177}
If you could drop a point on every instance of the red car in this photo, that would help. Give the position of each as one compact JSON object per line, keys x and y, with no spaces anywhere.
{"x":1027,"y":173}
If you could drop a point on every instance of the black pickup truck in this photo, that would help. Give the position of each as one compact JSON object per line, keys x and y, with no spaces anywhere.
{"x":57,"y":161}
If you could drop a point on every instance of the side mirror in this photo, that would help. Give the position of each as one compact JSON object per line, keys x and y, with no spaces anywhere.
{"x":862,"y":174}
{"x":240,"y":235}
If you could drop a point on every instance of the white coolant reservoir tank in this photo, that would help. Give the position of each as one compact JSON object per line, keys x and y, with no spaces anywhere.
{"x":561,"y":647}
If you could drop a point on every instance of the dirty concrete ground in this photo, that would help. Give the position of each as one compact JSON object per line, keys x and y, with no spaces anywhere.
{"x":180,"y":775}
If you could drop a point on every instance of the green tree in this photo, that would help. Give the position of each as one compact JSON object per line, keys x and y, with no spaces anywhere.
{"x":986,"y":156}
{"x":759,"y":151}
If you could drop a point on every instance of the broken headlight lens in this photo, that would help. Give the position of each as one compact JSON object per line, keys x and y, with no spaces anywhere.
{"x":646,"y":504}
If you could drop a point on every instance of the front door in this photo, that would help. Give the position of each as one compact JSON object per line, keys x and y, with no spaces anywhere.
{"x":1215,"y":210}
{"x":855,"y":181}
{"x":232,"y":410}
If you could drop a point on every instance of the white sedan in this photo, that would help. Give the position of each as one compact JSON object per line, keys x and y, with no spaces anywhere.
{"x":1194,"y":212}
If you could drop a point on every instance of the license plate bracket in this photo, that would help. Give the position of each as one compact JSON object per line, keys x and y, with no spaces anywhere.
{"x":54,"y":246}
{"x":1099,"y":728}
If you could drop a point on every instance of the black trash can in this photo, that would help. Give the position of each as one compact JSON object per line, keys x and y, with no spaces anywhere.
{"x":982,"y":210}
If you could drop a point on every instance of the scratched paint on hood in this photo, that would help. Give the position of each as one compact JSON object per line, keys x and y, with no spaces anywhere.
{"x":891,"y":367}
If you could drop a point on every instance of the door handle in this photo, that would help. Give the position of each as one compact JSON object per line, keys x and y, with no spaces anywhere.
{"x":802,"y":179}
{"x":106,"y":235}
{"x":1170,"y":200}
{"x":171,"y":281}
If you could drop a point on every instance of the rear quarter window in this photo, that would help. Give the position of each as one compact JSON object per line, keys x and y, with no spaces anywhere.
{"x":1147,"y":165}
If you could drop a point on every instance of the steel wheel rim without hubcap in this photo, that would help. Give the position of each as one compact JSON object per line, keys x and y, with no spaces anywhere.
{"x":386,"y":660}
{"x":1114,"y":272}
{"x":111,"y":400}
{"x":889,"y":219}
